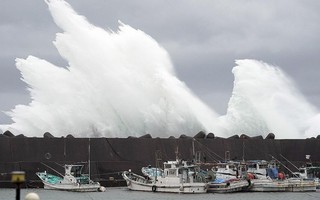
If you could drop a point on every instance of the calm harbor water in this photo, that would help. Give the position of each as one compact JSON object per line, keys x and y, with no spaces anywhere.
{"x":124,"y":194}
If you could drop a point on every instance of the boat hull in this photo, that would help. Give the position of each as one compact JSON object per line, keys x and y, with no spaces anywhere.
{"x":297,"y":185}
{"x":228,"y":187}
{"x":183,"y":188}
{"x":72,"y":187}
{"x":52,"y":182}
{"x":141,"y":184}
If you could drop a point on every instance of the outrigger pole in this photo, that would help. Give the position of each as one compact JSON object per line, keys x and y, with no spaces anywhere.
{"x":289,"y":161}
{"x":52,"y":169}
{"x":283,"y":165}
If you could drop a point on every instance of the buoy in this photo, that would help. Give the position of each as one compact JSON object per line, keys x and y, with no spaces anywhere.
{"x":32,"y":196}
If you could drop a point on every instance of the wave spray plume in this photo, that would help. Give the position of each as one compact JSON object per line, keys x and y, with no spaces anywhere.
{"x":264,"y":99}
{"x":120,"y":84}
{"x":116,"y":84}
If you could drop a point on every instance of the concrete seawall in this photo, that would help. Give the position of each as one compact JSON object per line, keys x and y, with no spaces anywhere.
{"x":109,"y":156}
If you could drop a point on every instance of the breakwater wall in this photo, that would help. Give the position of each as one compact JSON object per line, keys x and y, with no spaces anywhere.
{"x":110,"y":156}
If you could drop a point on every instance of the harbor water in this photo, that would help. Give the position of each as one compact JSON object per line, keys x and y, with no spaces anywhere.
{"x":123,"y":193}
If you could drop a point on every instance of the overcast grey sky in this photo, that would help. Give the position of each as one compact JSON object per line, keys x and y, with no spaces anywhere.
{"x":203,"y":39}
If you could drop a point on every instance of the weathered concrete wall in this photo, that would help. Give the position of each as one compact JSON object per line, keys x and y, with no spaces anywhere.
{"x":110,"y":156}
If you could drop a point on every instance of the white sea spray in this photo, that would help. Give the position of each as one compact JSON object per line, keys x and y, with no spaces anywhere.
{"x":122,"y":83}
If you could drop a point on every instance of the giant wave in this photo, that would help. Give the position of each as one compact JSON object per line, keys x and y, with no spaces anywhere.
{"x":122,"y":83}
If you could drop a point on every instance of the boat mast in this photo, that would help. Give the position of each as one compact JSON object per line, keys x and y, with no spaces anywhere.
{"x":158,"y":156}
{"x":177,"y":153}
{"x":243,"y":150}
{"x":193,"y":151}
{"x":89,"y":158}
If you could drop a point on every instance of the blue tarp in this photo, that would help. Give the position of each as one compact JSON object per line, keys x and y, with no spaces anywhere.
{"x":219,"y":180}
{"x":272,"y":173}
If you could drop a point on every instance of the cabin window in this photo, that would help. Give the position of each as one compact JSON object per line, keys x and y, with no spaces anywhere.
{"x":263,"y":166}
{"x":252,"y":166}
{"x":172,"y":172}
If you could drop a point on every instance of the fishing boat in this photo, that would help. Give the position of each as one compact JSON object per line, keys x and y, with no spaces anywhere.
{"x":72,"y":180}
{"x":309,"y":172}
{"x":259,"y":169}
{"x":265,"y":177}
{"x":287,"y":185}
{"x":178,"y":177}
{"x":228,"y":186}
{"x":228,"y":178}
{"x":229,"y":170}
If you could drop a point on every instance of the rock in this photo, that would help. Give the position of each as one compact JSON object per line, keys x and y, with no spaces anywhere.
{"x":270,"y":136}
{"x":210,"y":136}
{"x":130,"y":137}
{"x":201,"y":134}
{"x":258,"y":137}
{"x":8,"y":134}
{"x":20,"y":136}
{"x":146,"y":136}
{"x":47,"y":135}
{"x":3,"y":136}
{"x":234,"y":137}
{"x":184,"y":136}
{"x":244,"y":136}
{"x":69,"y":136}
{"x":318,"y":137}
{"x":172,"y":137}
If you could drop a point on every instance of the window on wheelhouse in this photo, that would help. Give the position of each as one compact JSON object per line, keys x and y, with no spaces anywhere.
{"x":76,"y":171}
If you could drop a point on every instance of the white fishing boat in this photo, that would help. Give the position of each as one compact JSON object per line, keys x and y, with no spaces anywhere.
{"x":229,"y":170}
{"x":72,"y":180}
{"x":258,"y":169}
{"x":177,"y":177}
{"x":228,"y":186}
{"x":227,"y":178}
{"x":287,"y":185}
{"x":309,"y":172}
{"x":266,"y":178}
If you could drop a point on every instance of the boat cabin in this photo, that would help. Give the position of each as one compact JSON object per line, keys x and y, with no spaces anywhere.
{"x":184,"y":170}
{"x":74,"y":170}
{"x":74,"y":174}
{"x":308,"y":172}
{"x":227,"y":170}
